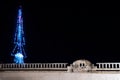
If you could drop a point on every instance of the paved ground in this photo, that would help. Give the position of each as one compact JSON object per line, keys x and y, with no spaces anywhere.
{"x":35,"y":75}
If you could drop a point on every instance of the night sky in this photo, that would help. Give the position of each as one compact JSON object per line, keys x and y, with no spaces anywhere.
{"x":60,"y":34}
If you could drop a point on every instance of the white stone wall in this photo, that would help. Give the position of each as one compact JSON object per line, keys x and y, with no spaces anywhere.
{"x":36,"y":75}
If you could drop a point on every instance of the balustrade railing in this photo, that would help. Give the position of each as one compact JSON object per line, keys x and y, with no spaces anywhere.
{"x":108,"y":66}
{"x":57,"y":66}
{"x":34,"y":66}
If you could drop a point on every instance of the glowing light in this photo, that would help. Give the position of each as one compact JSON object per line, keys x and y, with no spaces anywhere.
{"x":19,"y":40}
{"x":18,"y":58}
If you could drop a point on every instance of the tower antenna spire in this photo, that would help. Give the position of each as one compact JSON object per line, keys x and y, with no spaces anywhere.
{"x":19,"y":40}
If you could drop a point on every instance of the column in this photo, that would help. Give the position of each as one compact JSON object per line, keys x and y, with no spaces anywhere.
{"x":102,"y":65}
{"x":30,"y":65}
{"x":61,"y":65}
{"x":46,"y":65}
{"x":23,"y":65}
{"x":106,"y":66}
{"x":115,"y":65}
{"x":65,"y":65}
{"x":49,"y":65}
{"x":112,"y":65}
{"x":34,"y":65}
{"x":38,"y":65}
{"x":52,"y":65}
{"x":58,"y":65}
{"x":10,"y":65}
{"x":13,"y":66}
{"x":27,"y":65}
{"x":55,"y":65}
{"x":41,"y":65}
{"x":19,"y":65}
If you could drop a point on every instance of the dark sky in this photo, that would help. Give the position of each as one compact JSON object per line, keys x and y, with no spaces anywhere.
{"x":61,"y":34}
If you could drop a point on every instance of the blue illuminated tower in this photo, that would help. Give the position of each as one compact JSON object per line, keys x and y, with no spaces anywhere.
{"x":19,"y":40}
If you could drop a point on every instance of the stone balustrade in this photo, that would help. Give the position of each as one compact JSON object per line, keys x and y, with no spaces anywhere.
{"x":108,"y":66}
{"x":77,"y":66}
{"x":34,"y":66}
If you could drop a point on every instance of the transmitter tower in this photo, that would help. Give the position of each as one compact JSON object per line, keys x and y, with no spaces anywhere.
{"x":19,"y":40}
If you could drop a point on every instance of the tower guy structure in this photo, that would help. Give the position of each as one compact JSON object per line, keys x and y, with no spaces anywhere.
{"x":19,"y":41}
